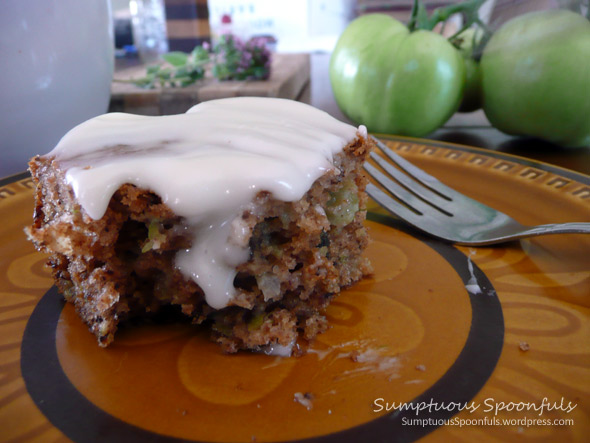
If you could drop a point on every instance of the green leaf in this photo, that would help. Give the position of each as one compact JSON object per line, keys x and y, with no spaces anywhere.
{"x":221,"y":72}
{"x":197,"y":73}
{"x":199,"y":54}
{"x":165,"y":73}
{"x":225,"y":61}
{"x":145,"y":82}
{"x":181,"y":71}
{"x":153,"y":69}
{"x":176,"y":58}
{"x":186,"y":82}
{"x":180,"y":78}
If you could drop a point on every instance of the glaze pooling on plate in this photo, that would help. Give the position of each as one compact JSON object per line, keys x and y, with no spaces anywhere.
{"x":207,"y":165}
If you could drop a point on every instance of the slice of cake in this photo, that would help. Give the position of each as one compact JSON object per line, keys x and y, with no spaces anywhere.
{"x":245,"y":213}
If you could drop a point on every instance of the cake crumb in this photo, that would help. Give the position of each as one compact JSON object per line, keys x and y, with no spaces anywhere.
{"x":524,"y":346}
{"x":304,"y":399}
{"x":421,"y":368}
{"x":354,"y":356}
{"x":413,"y":382}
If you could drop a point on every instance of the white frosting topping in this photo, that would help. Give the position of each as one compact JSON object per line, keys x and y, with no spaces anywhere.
{"x":207,"y":165}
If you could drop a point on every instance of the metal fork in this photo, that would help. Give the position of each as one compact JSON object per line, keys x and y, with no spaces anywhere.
{"x":434,"y":208}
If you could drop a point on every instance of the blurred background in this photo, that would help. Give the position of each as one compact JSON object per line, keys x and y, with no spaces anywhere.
{"x":296,"y":25}
{"x":146,"y":28}
{"x":61,"y":60}
{"x":312,"y":27}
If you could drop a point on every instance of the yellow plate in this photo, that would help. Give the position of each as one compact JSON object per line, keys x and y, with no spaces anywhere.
{"x":510,"y":358}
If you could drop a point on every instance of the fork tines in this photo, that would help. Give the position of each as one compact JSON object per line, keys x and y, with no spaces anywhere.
{"x":412,"y":187}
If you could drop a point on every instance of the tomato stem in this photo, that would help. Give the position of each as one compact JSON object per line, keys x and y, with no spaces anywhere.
{"x":478,"y":39}
{"x":419,"y":18}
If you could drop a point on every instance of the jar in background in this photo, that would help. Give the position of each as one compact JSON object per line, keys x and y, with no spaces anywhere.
{"x":148,"y":19}
{"x":57,"y":68}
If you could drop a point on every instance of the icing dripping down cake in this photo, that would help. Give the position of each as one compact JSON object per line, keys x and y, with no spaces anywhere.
{"x":245,"y":213}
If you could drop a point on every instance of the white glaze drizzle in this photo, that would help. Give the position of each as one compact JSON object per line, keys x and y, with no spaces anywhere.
{"x":207,"y":165}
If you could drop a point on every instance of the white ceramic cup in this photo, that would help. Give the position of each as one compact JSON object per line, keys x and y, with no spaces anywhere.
{"x":55,"y":72}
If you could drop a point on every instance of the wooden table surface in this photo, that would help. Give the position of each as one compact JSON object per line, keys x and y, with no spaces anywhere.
{"x":289,"y":78}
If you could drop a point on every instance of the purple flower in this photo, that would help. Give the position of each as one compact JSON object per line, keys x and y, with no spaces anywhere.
{"x":238,"y":60}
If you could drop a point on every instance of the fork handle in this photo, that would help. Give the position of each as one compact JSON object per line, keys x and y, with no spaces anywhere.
{"x":556,"y":228}
{"x":497,"y":236}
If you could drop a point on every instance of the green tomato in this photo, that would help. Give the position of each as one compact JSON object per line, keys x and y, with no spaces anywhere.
{"x":394,"y":81}
{"x":472,"y":91}
{"x":536,"y":77}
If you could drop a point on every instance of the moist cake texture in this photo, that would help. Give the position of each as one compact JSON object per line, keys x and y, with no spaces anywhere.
{"x":246,"y":214}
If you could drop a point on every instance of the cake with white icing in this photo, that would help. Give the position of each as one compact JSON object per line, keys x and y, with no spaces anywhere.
{"x":246,"y":214}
